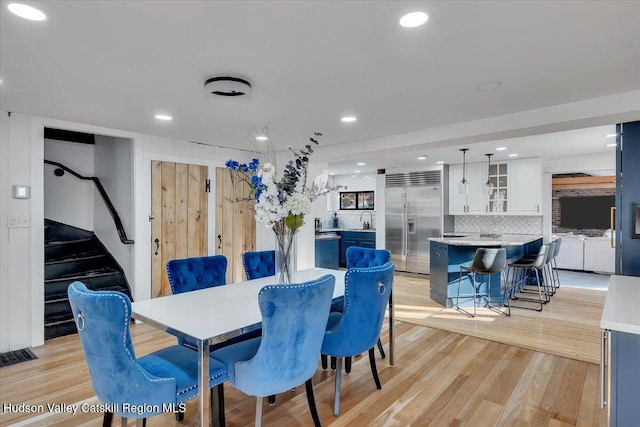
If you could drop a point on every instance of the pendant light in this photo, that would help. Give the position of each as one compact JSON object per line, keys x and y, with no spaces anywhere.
{"x":488,"y":186}
{"x":463,"y":186}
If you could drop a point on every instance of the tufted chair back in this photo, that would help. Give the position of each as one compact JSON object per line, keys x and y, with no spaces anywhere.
{"x":366,"y":257}
{"x":366,"y":295}
{"x":259,"y":264}
{"x":191,"y":274}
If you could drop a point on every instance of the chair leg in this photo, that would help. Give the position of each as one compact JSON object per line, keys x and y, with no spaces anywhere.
{"x":258,"y":412}
{"x":180,"y":416}
{"x":333,"y":362}
{"x":216,"y":405}
{"x":323,"y":359}
{"x":347,"y":365}
{"x":141,"y":422}
{"x":336,"y":394}
{"x":107,"y":419}
{"x":123,"y":421}
{"x":374,"y":369}
{"x":381,"y":349}
{"x":272,"y":400}
{"x":312,"y":403}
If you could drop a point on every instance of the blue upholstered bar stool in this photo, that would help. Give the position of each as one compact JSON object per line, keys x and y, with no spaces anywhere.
{"x":294,"y":319}
{"x":486,"y":261}
{"x":259,"y":264}
{"x":162,"y":379}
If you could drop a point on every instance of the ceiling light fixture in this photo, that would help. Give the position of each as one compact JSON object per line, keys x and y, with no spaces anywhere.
{"x":489,"y":86}
{"x":413,"y":19}
{"x":422,"y":157}
{"x":501,"y":148}
{"x":513,"y":155}
{"x":361,"y":163}
{"x":357,"y":171}
{"x":26,"y":11}
{"x":262,"y":138}
{"x":227,"y":90}
{"x":332,"y":173}
{"x":164,"y":117}
{"x":611,"y":135}
{"x":348,"y":119}
{"x":613,"y":144}
{"x":463,"y":186}
{"x":488,"y":186}
{"x":440,"y":162}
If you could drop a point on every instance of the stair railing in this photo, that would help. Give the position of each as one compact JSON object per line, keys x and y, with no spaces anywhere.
{"x":105,"y":198}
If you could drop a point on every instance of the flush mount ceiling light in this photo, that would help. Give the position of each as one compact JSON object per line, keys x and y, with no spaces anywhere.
{"x":501,"y":148}
{"x":422,"y":157}
{"x":463,"y":186}
{"x":348,"y":119}
{"x":413,"y":19}
{"x":262,"y":138}
{"x":489,"y":86}
{"x":613,"y":144}
{"x":513,"y":155}
{"x":440,"y":162}
{"x":27,"y":11}
{"x":361,"y":163}
{"x":611,"y":135}
{"x":228,"y":90}
{"x":164,"y":117}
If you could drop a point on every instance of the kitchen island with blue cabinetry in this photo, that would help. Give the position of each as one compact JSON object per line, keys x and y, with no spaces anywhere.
{"x":447,"y":254}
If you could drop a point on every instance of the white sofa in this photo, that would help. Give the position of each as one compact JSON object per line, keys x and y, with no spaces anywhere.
{"x":578,"y":252}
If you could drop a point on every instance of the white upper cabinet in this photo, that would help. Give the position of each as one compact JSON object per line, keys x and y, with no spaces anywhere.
{"x":525,"y":186}
{"x":517,"y":188}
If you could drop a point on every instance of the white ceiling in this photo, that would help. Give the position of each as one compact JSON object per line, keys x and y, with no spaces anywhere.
{"x":117,"y":63}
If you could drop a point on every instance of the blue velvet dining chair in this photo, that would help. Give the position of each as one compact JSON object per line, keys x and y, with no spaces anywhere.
{"x":358,"y":257}
{"x":259,"y":264}
{"x":293,"y":327}
{"x":191,"y":274}
{"x":357,"y":328}
{"x":149,"y":384}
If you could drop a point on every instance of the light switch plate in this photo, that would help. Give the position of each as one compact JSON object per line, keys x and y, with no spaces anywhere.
{"x":18,"y":221}
{"x":21,"y":191}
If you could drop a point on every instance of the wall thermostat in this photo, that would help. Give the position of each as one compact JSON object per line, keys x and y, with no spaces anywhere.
{"x":21,"y":191}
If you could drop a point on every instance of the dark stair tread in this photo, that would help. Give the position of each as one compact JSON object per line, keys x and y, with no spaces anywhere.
{"x":102,"y":271}
{"x":62,"y":296}
{"x":78,"y":256}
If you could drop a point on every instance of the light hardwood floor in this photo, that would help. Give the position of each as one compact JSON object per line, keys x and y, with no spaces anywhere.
{"x":441,"y":378}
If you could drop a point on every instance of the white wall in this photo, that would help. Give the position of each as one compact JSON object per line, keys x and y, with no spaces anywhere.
{"x":68,"y":199}
{"x":113,"y":164}
{"x":21,"y":249}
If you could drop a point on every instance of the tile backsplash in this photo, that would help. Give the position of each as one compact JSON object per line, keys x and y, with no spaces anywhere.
{"x":502,"y":224}
{"x":349,"y":219}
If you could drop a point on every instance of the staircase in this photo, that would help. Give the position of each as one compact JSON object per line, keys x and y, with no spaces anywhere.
{"x":74,"y":254}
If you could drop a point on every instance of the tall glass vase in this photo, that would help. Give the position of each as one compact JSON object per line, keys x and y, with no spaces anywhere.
{"x":286,"y":264}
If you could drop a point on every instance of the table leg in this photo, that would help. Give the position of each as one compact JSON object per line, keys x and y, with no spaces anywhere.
{"x":203,"y":383}
{"x":391,"y":336}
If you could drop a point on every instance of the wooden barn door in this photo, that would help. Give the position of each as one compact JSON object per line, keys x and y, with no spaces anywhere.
{"x":179,"y":204}
{"x":235,"y":223}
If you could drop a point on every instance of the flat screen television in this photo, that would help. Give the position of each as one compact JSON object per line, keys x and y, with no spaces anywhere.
{"x":586,"y":212}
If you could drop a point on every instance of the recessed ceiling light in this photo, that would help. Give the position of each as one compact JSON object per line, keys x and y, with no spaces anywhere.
{"x":613,"y":144}
{"x":164,"y":117}
{"x":513,"y":155}
{"x":332,"y":173}
{"x":357,"y":171}
{"x":501,"y":148}
{"x":422,"y":157}
{"x":611,"y":135}
{"x":440,"y":162}
{"x":348,"y":119}
{"x":262,"y":138}
{"x":489,"y":86}
{"x":413,"y":19}
{"x":27,"y":12}
{"x":361,"y":163}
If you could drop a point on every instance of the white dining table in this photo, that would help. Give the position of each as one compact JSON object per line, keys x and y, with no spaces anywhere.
{"x":213,"y":315}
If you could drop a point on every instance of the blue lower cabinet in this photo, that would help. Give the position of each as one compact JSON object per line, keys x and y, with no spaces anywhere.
{"x":624,"y":381}
{"x":327,"y":251}
{"x":363,"y":239}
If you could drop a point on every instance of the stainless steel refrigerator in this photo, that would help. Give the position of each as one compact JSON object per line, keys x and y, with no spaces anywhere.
{"x":413,"y":214}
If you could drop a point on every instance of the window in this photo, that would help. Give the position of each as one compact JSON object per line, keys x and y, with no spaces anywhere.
{"x":357,"y":200}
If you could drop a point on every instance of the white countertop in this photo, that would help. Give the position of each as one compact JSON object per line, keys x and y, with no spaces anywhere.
{"x":622,"y":305}
{"x":476,"y":240}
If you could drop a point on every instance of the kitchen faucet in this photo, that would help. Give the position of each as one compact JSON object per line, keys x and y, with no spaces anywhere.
{"x":366,"y":225}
